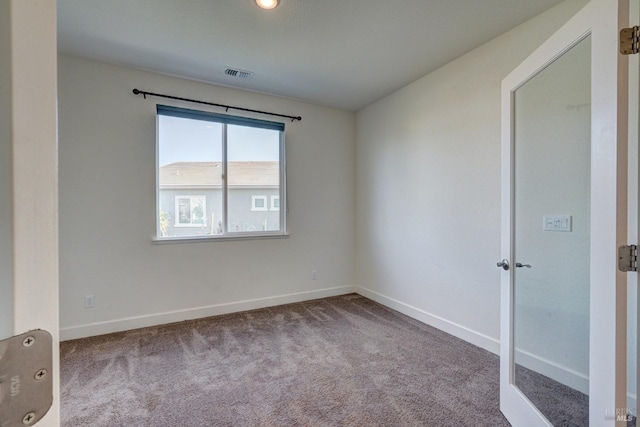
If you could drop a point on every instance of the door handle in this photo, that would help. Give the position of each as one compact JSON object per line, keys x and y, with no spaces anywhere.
{"x":520,"y":265}
{"x":504,"y":264}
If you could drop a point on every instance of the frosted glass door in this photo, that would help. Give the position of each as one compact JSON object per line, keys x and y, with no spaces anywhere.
{"x":551,"y":237}
{"x":564,"y":215}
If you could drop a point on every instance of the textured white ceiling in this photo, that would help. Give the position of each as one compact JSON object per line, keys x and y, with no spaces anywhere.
{"x":339,"y":53}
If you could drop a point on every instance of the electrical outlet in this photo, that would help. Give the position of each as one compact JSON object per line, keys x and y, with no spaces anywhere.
{"x":89,"y":301}
{"x":314,"y":275}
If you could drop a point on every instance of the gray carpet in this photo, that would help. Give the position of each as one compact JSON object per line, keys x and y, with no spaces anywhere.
{"x":562,"y":405}
{"x":343,"y":361}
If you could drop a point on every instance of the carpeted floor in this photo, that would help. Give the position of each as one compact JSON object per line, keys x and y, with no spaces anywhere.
{"x":343,"y":361}
{"x":562,"y":405}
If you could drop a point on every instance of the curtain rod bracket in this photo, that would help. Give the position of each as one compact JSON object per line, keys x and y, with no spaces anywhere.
{"x":227,"y":107}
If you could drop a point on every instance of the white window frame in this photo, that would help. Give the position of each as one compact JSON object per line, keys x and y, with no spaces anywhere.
{"x":255,"y":208}
{"x":191,"y":198}
{"x":224,"y":120}
{"x":273,"y":206}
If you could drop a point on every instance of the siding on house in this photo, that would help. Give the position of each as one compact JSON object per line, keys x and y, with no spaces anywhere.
{"x":183,"y":182}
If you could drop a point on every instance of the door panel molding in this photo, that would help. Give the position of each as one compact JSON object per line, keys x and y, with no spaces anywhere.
{"x":609,"y":130}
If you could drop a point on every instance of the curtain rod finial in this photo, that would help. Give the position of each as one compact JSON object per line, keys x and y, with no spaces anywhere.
{"x":136,"y":92}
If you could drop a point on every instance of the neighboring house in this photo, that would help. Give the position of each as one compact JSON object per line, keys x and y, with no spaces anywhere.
{"x":190,"y":197}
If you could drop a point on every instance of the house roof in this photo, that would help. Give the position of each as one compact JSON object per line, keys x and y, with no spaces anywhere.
{"x":209,"y":174}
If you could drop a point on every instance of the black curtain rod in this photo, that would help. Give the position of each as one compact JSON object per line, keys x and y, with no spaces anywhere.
{"x":144,"y":93}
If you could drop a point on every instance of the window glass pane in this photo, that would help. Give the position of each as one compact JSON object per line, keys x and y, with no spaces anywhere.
{"x":253,"y":168}
{"x":191,"y":161}
{"x":184,"y":208}
{"x":259,"y":203}
{"x":189,"y":177}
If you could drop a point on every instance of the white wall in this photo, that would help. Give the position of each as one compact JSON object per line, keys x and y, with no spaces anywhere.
{"x":428,"y":187}
{"x":6,"y":271}
{"x":107,"y":209}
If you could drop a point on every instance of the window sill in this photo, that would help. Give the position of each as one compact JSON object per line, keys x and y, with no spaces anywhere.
{"x":192,"y":239}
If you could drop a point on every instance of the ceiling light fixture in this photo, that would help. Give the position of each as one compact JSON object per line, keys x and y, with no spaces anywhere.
{"x":267,"y":4}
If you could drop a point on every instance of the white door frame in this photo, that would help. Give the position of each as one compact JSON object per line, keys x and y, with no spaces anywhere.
{"x":609,"y":134}
{"x":32,"y":82}
{"x":607,"y":386}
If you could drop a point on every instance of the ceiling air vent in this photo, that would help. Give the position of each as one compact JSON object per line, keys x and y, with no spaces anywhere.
{"x":239,"y":74}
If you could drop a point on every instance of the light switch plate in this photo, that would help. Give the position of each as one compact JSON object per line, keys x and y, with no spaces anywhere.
{"x":556,"y":223}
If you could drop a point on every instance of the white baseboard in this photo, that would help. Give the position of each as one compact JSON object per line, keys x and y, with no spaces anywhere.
{"x":559,"y":373}
{"x":459,"y":331}
{"x":119,"y":325}
{"x":548,"y":368}
{"x":553,"y":370}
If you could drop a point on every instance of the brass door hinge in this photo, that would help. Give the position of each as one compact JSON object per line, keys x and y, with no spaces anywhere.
{"x":630,"y":40}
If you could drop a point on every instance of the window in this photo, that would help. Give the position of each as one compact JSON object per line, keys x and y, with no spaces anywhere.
{"x":217,"y":174}
{"x":275,"y":203}
{"x":190,"y":211}
{"x":259,"y":203}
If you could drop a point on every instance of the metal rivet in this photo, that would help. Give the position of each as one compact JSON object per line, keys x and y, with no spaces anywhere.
{"x":28,"y":341}
{"x":29,"y":418}
{"x":40,"y":374}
